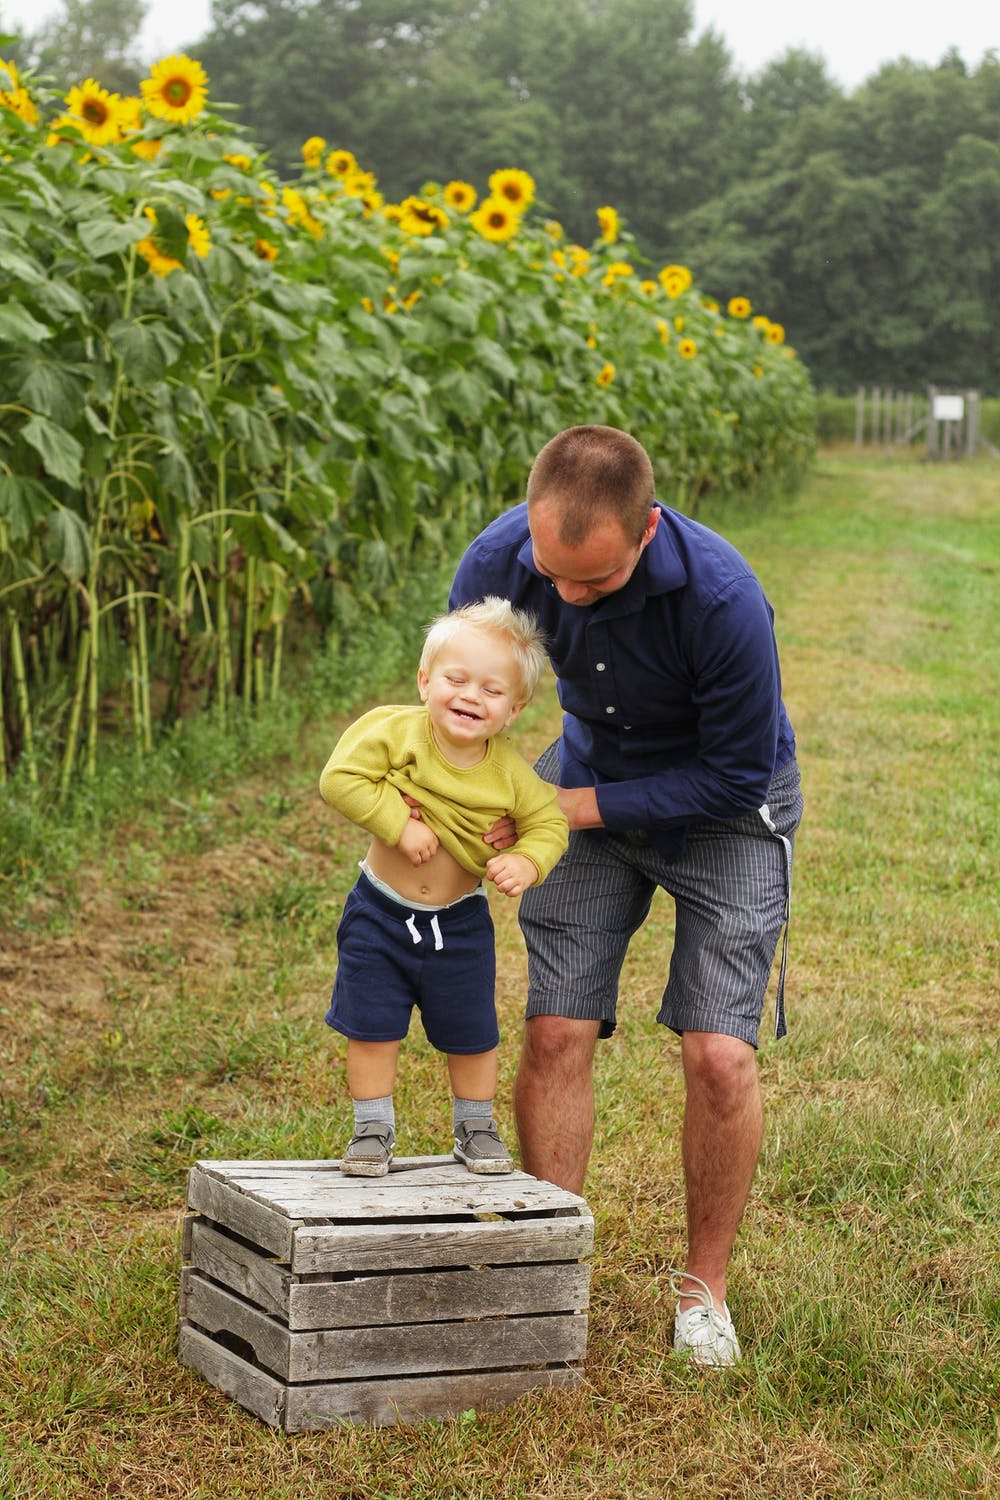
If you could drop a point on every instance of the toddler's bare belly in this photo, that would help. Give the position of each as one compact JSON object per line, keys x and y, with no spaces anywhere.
{"x":437,"y":883}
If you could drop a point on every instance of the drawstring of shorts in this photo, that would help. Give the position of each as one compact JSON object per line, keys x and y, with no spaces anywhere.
{"x":780,"y":1025}
{"x":411,"y":927}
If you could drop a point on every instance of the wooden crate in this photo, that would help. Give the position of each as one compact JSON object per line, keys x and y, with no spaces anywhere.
{"x":313,"y":1299}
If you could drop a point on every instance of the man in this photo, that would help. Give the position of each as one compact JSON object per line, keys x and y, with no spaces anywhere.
{"x":676,"y":768}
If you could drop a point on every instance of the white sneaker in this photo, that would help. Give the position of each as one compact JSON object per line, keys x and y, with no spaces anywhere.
{"x":704,"y":1333}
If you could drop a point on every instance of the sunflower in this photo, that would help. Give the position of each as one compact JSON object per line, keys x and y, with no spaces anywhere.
{"x":675,"y":280}
{"x":738,"y":307}
{"x":360,"y":184}
{"x":264,"y":250}
{"x":757,"y":372}
{"x":495,"y":220}
{"x":339,"y":163}
{"x":615,"y":271}
{"x":648,"y":288}
{"x":687,"y":348}
{"x":94,"y":112}
{"x":663,"y":330}
{"x":774,"y":333}
{"x":150,"y":150}
{"x":158,"y":263}
{"x":554,"y":229}
{"x":605,"y":375}
{"x":176,"y":89}
{"x":513,"y":187}
{"x":198,"y":236}
{"x":761,"y":322}
{"x":16,"y":97}
{"x":312,"y":150}
{"x":609,"y":223}
{"x":461,"y":196}
{"x":238,"y":159}
{"x":421,"y":217}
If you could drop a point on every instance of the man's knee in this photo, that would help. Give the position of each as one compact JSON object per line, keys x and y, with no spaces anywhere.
{"x":559,"y":1043}
{"x":719,"y":1066}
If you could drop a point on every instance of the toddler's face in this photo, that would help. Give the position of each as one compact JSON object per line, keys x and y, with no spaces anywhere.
{"x":472,"y":689}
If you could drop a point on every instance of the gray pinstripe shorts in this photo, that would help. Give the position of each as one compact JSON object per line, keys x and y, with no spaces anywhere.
{"x":731,"y":889}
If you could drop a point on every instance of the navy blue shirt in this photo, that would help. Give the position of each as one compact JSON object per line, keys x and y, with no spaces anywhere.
{"x":670,"y":687}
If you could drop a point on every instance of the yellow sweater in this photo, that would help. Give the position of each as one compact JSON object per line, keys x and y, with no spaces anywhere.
{"x":390,"y":751}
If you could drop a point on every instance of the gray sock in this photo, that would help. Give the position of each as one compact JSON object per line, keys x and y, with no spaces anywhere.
{"x":471,"y":1109}
{"x":374,"y":1109}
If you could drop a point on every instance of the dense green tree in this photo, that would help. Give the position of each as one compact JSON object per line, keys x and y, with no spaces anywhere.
{"x":90,"y":39}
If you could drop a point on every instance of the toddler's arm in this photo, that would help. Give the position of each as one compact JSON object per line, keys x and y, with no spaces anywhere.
{"x":418,"y":842}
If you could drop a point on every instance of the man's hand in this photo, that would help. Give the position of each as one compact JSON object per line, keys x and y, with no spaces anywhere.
{"x":579,"y":803}
{"x":511,"y":873}
{"x":418,"y":842}
{"x":503,"y":833}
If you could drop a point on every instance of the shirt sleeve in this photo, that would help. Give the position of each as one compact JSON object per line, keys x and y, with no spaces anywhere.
{"x":737,"y":700}
{"x":542,"y":829}
{"x":354,"y":779}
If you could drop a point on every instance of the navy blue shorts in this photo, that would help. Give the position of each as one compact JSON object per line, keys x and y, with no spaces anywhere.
{"x":391,"y":958}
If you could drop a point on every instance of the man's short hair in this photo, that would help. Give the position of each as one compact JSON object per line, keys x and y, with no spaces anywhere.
{"x":493,"y":616}
{"x":591,"y":474}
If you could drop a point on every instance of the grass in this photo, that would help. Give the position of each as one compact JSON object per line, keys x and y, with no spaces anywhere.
{"x":161,"y":999}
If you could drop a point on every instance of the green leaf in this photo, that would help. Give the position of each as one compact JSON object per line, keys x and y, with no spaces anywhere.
{"x":23,"y":503}
{"x":59,"y":450}
{"x":139,"y":350}
{"x":49,"y":388}
{"x":17,"y":325}
{"x":262,"y":536}
{"x":110,"y":236}
{"x":68,"y":544}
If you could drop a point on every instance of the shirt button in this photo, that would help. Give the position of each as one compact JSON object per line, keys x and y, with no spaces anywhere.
{"x":600,"y":666}
{"x":610,"y":709}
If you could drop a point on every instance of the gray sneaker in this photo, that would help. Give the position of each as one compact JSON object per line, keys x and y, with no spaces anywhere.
{"x":478,"y":1144}
{"x":705,"y":1333}
{"x":370,"y":1151}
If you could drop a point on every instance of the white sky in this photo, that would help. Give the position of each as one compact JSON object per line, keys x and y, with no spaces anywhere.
{"x":854,"y":36}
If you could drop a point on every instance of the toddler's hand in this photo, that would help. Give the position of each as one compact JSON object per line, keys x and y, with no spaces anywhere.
{"x":511,"y":873}
{"x":418,"y":842}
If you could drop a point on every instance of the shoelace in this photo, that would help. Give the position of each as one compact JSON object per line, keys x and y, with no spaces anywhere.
{"x":708,"y":1313}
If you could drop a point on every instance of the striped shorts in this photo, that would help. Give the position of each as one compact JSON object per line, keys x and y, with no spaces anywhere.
{"x":731,"y":889}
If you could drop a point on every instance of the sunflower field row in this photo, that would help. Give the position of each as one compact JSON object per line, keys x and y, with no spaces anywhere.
{"x":228,"y":400}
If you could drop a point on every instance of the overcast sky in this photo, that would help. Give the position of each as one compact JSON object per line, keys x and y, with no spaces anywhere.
{"x":854,"y":36}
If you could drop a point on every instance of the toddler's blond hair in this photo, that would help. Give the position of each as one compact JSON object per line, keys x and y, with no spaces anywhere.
{"x":498,"y":617}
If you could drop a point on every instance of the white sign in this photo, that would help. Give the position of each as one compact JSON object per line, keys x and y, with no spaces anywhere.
{"x":949,"y":408}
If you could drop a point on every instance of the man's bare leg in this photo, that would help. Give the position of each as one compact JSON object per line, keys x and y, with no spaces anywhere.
{"x":554,"y":1099}
{"x":723,"y":1130}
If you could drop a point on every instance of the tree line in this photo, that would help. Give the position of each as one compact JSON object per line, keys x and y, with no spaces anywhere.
{"x":866,"y":220}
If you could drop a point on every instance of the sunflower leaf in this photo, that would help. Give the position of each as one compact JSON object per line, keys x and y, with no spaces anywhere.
{"x":109,"y":236}
{"x":68,"y":543}
{"x":60,"y":452}
{"x":17,"y":324}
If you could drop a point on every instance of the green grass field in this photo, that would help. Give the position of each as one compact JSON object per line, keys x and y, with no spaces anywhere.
{"x":161,"y":999}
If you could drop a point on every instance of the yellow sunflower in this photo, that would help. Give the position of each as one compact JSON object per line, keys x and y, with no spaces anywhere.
{"x":176,"y":89}
{"x":687,"y":348}
{"x":616,"y":271}
{"x":16,"y":97}
{"x":340,"y":163}
{"x":648,"y":288}
{"x":198,"y":236}
{"x":675,"y":280}
{"x":761,"y":322}
{"x":495,"y":220}
{"x":461,"y":196}
{"x":159,"y":264}
{"x":554,"y":229}
{"x":94,"y":112}
{"x":359,"y":184}
{"x":513,"y":187}
{"x":239,"y":160}
{"x":312,"y":150}
{"x":774,"y":333}
{"x":264,"y":250}
{"x":663,"y":330}
{"x":421,"y":217}
{"x":609,"y":223}
{"x":738,"y":307}
{"x":605,"y":375}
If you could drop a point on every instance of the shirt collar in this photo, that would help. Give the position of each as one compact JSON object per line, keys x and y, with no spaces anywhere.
{"x":659,"y":569}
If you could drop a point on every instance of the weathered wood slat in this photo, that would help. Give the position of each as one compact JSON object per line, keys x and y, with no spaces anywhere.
{"x":397,"y":1349}
{"x":335,"y":1248}
{"x":382,"y":1403}
{"x":255,"y":1390}
{"x":265,"y":1225}
{"x":394,"y":1201}
{"x":377,"y":1402}
{"x":362,"y":1301}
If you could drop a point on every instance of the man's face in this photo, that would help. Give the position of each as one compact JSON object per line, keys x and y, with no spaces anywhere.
{"x":601,"y":564}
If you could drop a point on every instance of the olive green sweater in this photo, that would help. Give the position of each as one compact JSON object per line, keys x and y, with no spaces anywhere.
{"x":391,"y":751}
